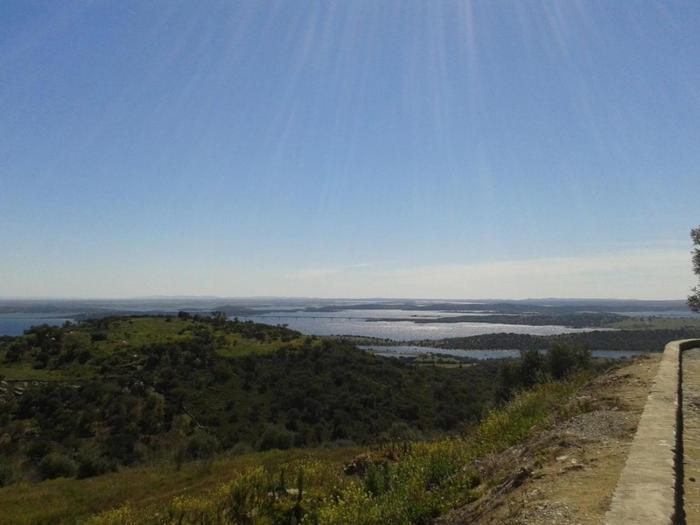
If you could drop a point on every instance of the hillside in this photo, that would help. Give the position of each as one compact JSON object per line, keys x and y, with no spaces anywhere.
{"x":398,"y":482}
{"x":83,"y":400}
{"x":645,"y":337}
{"x":193,"y":419}
{"x":567,"y":474}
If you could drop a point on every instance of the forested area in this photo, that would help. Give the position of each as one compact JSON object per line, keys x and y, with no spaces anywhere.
{"x":641,"y":340}
{"x":97,"y":401}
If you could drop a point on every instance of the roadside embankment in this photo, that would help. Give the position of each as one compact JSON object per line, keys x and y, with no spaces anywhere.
{"x":650,"y":488}
{"x":566,"y":475}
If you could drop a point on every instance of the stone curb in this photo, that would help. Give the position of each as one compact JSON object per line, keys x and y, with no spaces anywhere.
{"x":647,"y":492}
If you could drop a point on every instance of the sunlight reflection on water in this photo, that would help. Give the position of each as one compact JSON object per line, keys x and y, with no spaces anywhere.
{"x":354,"y":322}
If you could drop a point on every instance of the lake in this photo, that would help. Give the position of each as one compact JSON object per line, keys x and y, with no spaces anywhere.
{"x":16,"y":324}
{"x":344,"y":322}
{"x":413,"y":351}
{"x":355,"y":322}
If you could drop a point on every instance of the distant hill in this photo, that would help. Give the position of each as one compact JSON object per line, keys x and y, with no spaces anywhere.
{"x":651,"y":340}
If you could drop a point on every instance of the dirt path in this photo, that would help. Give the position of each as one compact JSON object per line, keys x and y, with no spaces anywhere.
{"x":567,"y":475}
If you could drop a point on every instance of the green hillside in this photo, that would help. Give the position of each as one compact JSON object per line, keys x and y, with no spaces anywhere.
{"x":394,"y":483}
{"x":84,"y":400}
{"x":199,"y":419}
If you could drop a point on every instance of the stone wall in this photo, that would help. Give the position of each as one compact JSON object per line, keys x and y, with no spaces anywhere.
{"x":650,"y":489}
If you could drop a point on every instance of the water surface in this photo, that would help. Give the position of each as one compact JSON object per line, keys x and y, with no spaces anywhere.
{"x":16,"y":324}
{"x":413,"y":351}
{"x":354,"y":322}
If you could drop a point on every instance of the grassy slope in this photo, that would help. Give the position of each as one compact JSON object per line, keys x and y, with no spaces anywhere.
{"x":424,"y":482}
{"x":66,"y":500}
{"x":428,"y":480}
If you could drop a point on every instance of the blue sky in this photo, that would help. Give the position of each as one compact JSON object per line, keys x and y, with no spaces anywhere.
{"x":389,"y":148}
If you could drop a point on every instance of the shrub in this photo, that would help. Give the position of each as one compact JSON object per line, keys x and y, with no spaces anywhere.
{"x":276,"y":437}
{"x":563,"y":360}
{"x":98,"y":336}
{"x":517,"y":420}
{"x":245,"y":496}
{"x":123,"y":515}
{"x":7,"y":473}
{"x":56,"y":465}
{"x":199,"y":446}
{"x":416,"y":486}
{"x":401,"y":431}
{"x":377,"y":479}
{"x":240,"y":448}
{"x":92,"y":464}
{"x":38,"y":449}
{"x":531,"y":368}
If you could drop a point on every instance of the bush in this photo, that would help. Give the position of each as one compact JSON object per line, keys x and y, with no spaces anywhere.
{"x":401,"y":431}
{"x":57,"y":465}
{"x":427,"y":480}
{"x":38,"y":449}
{"x":92,"y":464}
{"x":241,"y":448}
{"x":377,"y":479}
{"x":276,"y":437}
{"x":199,"y":446}
{"x":531,"y":368}
{"x":562,"y":360}
{"x":7,"y":473}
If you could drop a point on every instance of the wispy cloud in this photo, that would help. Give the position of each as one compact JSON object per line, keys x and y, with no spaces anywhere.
{"x":660,"y":273}
{"x":649,"y":273}
{"x":316,"y":272}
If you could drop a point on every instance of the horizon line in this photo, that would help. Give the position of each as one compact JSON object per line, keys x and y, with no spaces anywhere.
{"x":327,"y":298}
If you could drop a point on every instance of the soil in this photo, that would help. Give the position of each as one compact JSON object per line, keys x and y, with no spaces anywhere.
{"x":567,"y":475}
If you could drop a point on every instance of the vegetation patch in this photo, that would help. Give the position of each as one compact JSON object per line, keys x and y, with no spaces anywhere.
{"x":411,"y":482}
{"x":199,"y":386}
{"x":645,"y":340}
{"x":162,"y":427}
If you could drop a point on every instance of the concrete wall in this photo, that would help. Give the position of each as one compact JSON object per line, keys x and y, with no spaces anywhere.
{"x":647,"y":491}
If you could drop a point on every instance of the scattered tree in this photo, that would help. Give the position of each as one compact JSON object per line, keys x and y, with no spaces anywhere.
{"x":56,"y":465}
{"x":694,"y":298}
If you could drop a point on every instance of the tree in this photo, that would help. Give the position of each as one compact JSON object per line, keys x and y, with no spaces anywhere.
{"x":56,"y":465}
{"x":531,"y":368}
{"x":561,"y":361}
{"x":694,"y":298}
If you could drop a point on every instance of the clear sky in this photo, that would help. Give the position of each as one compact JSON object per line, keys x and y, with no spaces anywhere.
{"x":350,"y":148}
